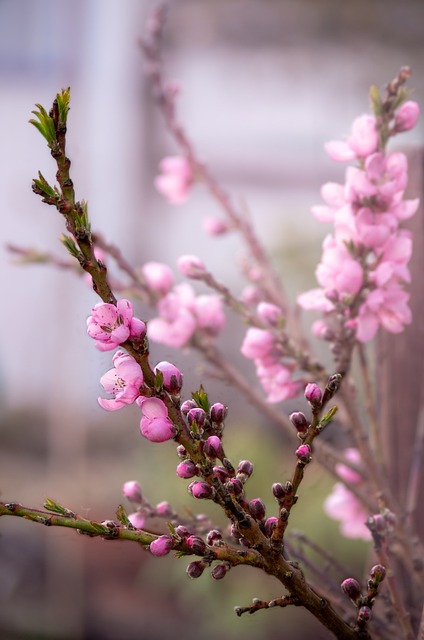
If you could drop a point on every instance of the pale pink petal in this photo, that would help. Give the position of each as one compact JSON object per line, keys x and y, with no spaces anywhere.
{"x":152,"y":407}
{"x":339,"y":151}
{"x":110,"y":404}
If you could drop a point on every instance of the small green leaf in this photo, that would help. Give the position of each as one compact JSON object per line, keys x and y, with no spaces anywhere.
{"x":122,"y":516}
{"x":201,"y":399}
{"x":63,"y":98}
{"x":53,"y":506}
{"x":376,"y":101}
{"x":70,"y":245}
{"x":327,"y":418}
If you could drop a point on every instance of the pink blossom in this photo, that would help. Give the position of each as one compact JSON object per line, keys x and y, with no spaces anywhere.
{"x":209,"y":314}
{"x":362,"y":141}
{"x":112,"y":325}
{"x":270,"y":314}
{"x":175,"y":179}
{"x":342,"y":505}
{"x":191,"y":266}
{"x":407,"y":116}
{"x":123,"y":382}
{"x":215,"y":226}
{"x":277,"y":382}
{"x":258,"y":343}
{"x":161,"y":546}
{"x":347,"y":474}
{"x":137,"y":519}
{"x":132,"y":490}
{"x":158,"y":276}
{"x":176,"y":323}
{"x":172,"y":376}
{"x":155,"y":424}
{"x":338,"y":270}
{"x":387,"y":307}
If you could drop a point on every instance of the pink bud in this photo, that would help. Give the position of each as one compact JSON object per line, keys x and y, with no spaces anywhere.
{"x":304,"y":453}
{"x":257,"y":509}
{"x":196,"y":415}
{"x":278,"y":490}
{"x":161,"y":546}
{"x":351,"y":588}
{"x":132,"y":491}
{"x":191,"y":267}
{"x":213,"y":537}
{"x":201,"y":490}
{"x":364,"y":614}
{"x":270,"y":314}
{"x":245,"y":468}
{"x":137,"y":519}
{"x":218,"y":412}
{"x":234,"y":486}
{"x":164,"y":509}
{"x":221,"y":473}
{"x":182,"y":531}
{"x":299,"y":420}
{"x":158,"y":277}
{"x":186,"y":406}
{"x":270,"y":524}
{"x":215,"y":226}
{"x":219,"y":571}
{"x":212,"y":447}
{"x":407,"y":116}
{"x":196,"y":544}
{"x":313,"y":394}
{"x":378,"y":573}
{"x":187,"y":469}
{"x":172,"y":377}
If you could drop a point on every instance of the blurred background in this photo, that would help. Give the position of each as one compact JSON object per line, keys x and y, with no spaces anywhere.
{"x":264,"y":84}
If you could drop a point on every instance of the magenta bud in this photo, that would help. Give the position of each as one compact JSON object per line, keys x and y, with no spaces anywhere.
{"x":304,"y":453}
{"x":351,"y":588}
{"x":234,"y":486}
{"x":196,"y":544}
{"x":195,"y":569}
{"x":257,"y":509}
{"x":196,"y":415}
{"x":245,"y":467}
{"x":218,"y":412}
{"x":299,"y":420}
{"x":212,"y":447}
{"x":201,"y":490}
{"x":378,"y":573}
{"x":187,"y":469}
{"x":186,"y":406}
{"x":172,"y":377}
{"x":313,"y":394}
{"x":182,"y":531}
{"x":221,"y":473}
{"x":181,"y":451}
{"x":213,"y":537}
{"x":364,"y":614}
{"x":161,"y":546}
{"x":219,"y":571}
{"x":132,"y":491}
{"x":278,"y":490}
{"x":407,"y":116}
{"x":270,"y":524}
{"x":164,"y":510}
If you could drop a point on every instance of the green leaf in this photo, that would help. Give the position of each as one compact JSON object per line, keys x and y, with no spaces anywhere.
{"x":376,"y":101}
{"x":70,"y":245}
{"x":122,"y":516}
{"x":327,"y":418}
{"x":52,"y":505}
{"x":63,"y":99}
{"x":45,"y":124}
{"x":201,"y":399}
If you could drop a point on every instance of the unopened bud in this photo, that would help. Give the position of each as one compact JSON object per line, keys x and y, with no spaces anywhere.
{"x":257,"y":509}
{"x":219,"y":571}
{"x":234,"y":486}
{"x":364,"y":614}
{"x":304,"y":453}
{"x":213,"y":537}
{"x":196,"y":415}
{"x":164,"y":509}
{"x":407,"y":116}
{"x":221,"y":473}
{"x":187,"y":469}
{"x":270,"y":524}
{"x":212,"y":447}
{"x":270,"y":314}
{"x":137,"y":519}
{"x":182,"y":531}
{"x":186,"y":406}
{"x":161,"y":546}
{"x":172,"y":377}
{"x":201,"y":490}
{"x":313,"y":394}
{"x":300,"y":422}
{"x":196,"y":544}
{"x":351,"y":588}
{"x":218,"y":412}
{"x":378,"y":573}
{"x":191,"y":267}
{"x":132,"y":491}
{"x":195,"y":569}
{"x":245,"y":467}
{"x":181,"y":451}
{"x":278,"y":490}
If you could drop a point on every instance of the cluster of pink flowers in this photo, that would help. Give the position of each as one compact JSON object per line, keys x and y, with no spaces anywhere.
{"x":112,"y":325}
{"x":273,"y":370}
{"x":365,"y":258}
{"x":181,"y":312}
{"x":343,"y":505}
{"x":175,"y":180}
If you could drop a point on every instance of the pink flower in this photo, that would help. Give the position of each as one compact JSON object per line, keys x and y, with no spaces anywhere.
{"x":338,"y":271}
{"x":137,"y":519}
{"x":257,"y":343}
{"x":175,"y":180}
{"x":387,"y":307}
{"x":132,"y":490}
{"x":158,"y":276}
{"x":175,"y":324}
{"x":407,"y":116}
{"x":123,"y":382}
{"x":191,"y":266}
{"x":342,"y":505}
{"x":155,"y":424}
{"x":172,"y":376}
{"x":111,"y":326}
{"x":161,"y":546}
{"x":362,"y":141}
{"x":209,"y":314}
{"x":346,"y":473}
{"x":215,"y":226}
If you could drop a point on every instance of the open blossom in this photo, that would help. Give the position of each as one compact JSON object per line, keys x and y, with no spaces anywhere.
{"x":365,"y":258}
{"x":123,"y":382}
{"x":175,"y":179}
{"x":112,"y":325}
{"x":181,"y":313}
{"x":155,"y":424}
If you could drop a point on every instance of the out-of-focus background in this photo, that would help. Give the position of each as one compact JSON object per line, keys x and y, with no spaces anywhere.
{"x":264,"y":84}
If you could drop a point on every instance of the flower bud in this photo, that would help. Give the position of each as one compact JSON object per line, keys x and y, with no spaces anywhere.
{"x":182,"y":531}
{"x":221,"y":473}
{"x":299,"y":420}
{"x":186,"y":406}
{"x":158,"y":276}
{"x":201,"y":490}
{"x":213,"y":537}
{"x":218,"y":412}
{"x":351,"y":588}
{"x":378,"y":573}
{"x":270,"y":524}
{"x":212,"y":447}
{"x":234,"y":486}
{"x":132,"y":490}
{"x":196,"y":544}
{"x":364,"y":614}
{"x":195,"y":569}
{"x":313,"y":394}
{"x":270,"y":314}
{"x":215,"y":226}
{"x":278,"y":490}
{"x":304,"y":453}
{"x":161,"y":546}
{"x":191,"y":267}
{"x":407,"y":116}
{"x":196,"y":415}
{"x":187,"y":469}
{"x":172,"y":377}
{"x":137,"y":519}
{"x":257,"y":509}
{"x":164,"y":510}
{"x":245,"y":467}
{"x":219,"y":571}
{"x":181,"y":451}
